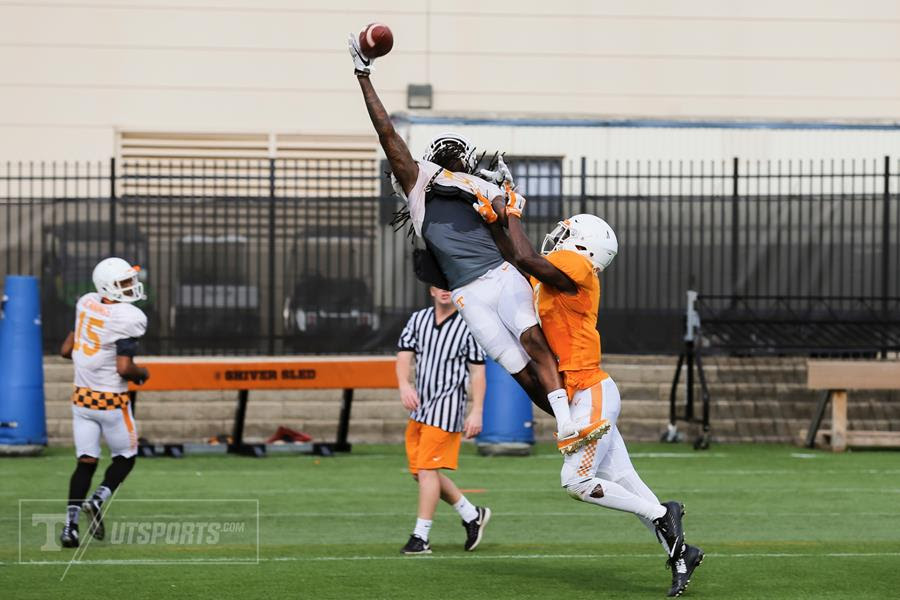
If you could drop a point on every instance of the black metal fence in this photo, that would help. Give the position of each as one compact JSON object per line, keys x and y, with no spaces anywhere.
{"x":298,"y":256}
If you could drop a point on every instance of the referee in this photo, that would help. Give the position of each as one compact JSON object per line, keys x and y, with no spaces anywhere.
{"x":447,"y":359}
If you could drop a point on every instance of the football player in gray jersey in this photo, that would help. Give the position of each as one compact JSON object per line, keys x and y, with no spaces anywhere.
{"x":492,"y":296}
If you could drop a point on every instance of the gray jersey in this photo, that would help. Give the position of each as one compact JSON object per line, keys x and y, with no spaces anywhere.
{"x":461,"y":242}
{"x":440,"y":206}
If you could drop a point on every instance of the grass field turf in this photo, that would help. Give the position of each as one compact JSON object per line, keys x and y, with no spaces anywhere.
{"x":775,"y":522}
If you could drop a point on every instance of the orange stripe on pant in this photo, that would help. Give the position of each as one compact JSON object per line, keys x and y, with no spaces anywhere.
{"x":129,"y":425}
{"x":590,"y":451}
{"x":596,"y":401}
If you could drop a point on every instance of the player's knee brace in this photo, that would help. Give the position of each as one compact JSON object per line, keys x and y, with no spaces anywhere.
{"x":513,"y":359}
{"x":117,"y":471}
{"x":584,"y":489}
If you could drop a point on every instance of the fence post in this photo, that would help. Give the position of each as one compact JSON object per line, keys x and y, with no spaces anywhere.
{"x":583,"y":197}
{"x":271,"y":268}
{"x":885,"y":239}
{"x":735,"y":229}
{"x":112,"y":207}
{"x":886,"y":231}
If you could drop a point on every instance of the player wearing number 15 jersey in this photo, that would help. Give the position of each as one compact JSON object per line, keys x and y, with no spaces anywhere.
{"x":103,"y":345}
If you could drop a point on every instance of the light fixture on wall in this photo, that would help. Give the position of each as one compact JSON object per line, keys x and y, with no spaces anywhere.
{"x":418,"y":95}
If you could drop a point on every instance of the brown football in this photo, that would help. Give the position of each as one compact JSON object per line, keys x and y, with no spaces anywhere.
{"x":376,"y":40}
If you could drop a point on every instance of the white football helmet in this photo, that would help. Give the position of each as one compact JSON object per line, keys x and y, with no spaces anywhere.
{"x":462,"y":146}
{"x":116,"y":280}
{"x":587,"y":235}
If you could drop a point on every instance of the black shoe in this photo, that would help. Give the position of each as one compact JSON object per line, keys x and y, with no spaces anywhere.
{"x":93,"y":509}
{"x":475,"y":528}
{"x":416,"y":545}
{"x":669,"y":530}
{"x":69,"y":535}
{"x":683,"y":568}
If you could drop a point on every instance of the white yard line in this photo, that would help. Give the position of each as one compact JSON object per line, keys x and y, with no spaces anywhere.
{"x":549,"y":489}
{"x":481,"y":556}
{"x":578,"y":513}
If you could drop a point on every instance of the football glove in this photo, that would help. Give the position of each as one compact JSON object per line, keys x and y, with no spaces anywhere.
{"x":515,"y":203}
{"x":501,"y":175}
{"x":362,"y":66}
{"x":483,"y":207}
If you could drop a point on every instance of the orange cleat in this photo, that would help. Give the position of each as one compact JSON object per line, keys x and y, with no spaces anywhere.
{"x":574,"y":443}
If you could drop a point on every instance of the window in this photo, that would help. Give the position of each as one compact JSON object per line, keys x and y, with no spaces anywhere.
{"x":539,"y":179}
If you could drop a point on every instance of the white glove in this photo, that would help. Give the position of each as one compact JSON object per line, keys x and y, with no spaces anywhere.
{"x":501,"y":175}
{"x":361,"y":65}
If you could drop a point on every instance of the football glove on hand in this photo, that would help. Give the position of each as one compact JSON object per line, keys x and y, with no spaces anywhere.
{"x":501,"y":175}
{"x":483,"y":207}
{"x":362,"y":66}
{"x":515,"y":203}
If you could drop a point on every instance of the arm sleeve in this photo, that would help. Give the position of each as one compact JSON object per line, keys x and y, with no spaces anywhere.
{"x":474,"y":353}
{"x":407,"y":340}
{"x":416,"y":199}
{"x":127,"y":347}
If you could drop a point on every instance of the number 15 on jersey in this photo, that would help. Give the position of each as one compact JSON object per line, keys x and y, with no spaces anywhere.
{"x":87,"y":334}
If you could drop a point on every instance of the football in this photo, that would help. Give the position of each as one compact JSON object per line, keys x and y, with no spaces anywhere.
{"x":376,"y":40}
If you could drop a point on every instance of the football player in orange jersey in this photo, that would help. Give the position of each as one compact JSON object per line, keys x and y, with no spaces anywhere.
{"x":567,"y":296}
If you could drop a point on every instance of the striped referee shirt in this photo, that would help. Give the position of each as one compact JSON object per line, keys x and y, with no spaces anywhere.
{"x":442,"y":375}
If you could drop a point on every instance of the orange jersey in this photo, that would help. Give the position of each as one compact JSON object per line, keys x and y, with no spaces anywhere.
{"x":570,"y":321}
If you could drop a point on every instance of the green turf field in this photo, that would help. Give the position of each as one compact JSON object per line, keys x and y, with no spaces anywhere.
{"x":775,"y":522}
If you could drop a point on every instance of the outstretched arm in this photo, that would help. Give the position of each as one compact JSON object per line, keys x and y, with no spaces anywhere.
{"x":403,"y":166}
{"x":515,"y":247}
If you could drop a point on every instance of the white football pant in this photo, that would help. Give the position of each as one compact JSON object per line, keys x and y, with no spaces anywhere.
{"x":116,"y":425}
{"x":498,"y":307}
{"x":601,"y":472}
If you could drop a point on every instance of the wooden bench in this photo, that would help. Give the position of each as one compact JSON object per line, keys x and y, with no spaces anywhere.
{"x":243,"y":374}
{"x":835,"y":377}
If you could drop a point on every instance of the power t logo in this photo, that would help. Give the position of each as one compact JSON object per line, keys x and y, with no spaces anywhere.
{"x":147,"y":531}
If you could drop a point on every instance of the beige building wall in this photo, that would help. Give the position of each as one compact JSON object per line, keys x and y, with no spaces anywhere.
{"x":73,"y":72}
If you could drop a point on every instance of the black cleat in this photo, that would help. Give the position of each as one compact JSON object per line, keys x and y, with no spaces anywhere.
{"x":475,"y":528}
{"x":69,"y":535}
{"x":669,"y":530}
{"x":416,"y":545}
{"x":683,"y":568}
{"x":93,"y":509}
